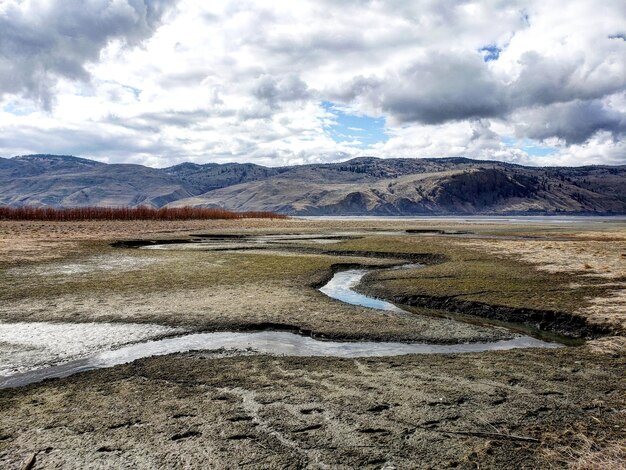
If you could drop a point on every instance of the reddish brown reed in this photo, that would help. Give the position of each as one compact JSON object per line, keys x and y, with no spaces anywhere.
{"x":127,"y":213}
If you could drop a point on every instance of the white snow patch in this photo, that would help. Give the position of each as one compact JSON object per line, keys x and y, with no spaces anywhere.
{"x":27,"y":346}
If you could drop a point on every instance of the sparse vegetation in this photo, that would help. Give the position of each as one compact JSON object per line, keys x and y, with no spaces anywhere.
{"x":509,"y":272}
{"x":587,"y":454}
{"x":127,"y":213}
{"x":567,"y":403}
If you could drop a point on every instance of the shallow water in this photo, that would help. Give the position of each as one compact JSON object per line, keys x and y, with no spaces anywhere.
{"x":341,"y":286}
{"x":521,"y":219}
{"x":266,"y":342}
{"x":208,"y":242}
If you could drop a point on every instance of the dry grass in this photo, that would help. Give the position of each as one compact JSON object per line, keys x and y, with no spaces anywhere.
{"x":588,"y":260}
{"x":597,"y":258}
{"x":484,"y":270}
{"x":32,"y":241}
{"x":613,"y":345}
{"x":586,"y":454}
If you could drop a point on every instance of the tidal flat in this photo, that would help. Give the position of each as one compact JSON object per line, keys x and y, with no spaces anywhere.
{"x":466,"y":282}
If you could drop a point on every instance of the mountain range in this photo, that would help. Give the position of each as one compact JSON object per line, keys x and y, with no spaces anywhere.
{"x":365,"y":185}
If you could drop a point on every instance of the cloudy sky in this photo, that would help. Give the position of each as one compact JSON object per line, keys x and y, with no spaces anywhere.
{"x":272,"y":82}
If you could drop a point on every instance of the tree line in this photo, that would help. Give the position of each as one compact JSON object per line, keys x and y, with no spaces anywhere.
{"x":71,"y":214}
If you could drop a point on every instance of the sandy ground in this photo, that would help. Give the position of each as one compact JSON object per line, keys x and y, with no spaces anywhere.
{"x":509,"y":409}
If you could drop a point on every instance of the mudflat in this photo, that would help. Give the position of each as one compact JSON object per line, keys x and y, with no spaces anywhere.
{"x":478,"y":281}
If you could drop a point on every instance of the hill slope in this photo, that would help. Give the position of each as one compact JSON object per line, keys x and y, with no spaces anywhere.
{"x":416,"y":186}
{"x":356,"y":187}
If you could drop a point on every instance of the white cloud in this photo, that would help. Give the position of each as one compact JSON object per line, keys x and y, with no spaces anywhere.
{"x":44,"y":41}
{"x":160,"y":82}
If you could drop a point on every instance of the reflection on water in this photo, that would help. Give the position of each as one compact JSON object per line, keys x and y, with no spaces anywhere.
{"x":341,"y":286}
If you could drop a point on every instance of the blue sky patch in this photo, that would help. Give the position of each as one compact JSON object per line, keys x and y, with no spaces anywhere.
{"x":18,"y":110}
{"x":352,"y":129}
{"x":490,"y":52}
{"x":530,"y":146}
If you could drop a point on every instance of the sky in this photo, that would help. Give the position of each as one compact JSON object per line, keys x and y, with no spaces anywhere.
{"x":291,"y":82}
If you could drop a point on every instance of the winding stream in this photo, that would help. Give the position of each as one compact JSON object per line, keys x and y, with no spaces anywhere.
{"x":340,"y":287}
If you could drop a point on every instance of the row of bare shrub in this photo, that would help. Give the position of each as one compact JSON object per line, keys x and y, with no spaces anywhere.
{"x":127,"y":213}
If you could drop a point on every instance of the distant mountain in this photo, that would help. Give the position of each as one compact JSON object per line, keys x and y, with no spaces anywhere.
{"x":399,"y":186}
{"x":204,"y":178}
{"x":52,"y":180}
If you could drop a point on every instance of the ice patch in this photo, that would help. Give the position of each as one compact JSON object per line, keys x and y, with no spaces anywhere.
{"x":266,"y":342}
{"x":26,"y":346}
{"x":341,"y":287}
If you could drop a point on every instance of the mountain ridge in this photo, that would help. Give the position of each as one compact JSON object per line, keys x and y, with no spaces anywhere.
{"x":359,"y":186}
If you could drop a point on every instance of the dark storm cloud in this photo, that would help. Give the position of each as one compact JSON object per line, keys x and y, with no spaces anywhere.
{"x":544,"y":80}
{"x":574,"y":122}
{"x":43,"y":41}
{"x":445,"y":87}
{"x":559,"y":96}
{"x":439,"y":87}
